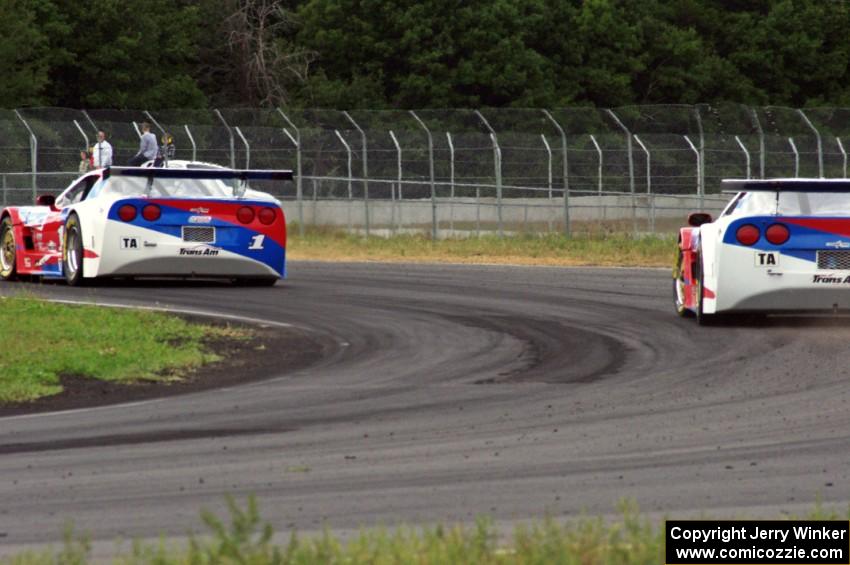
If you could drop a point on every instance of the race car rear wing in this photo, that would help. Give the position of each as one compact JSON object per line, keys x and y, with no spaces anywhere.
{"x":203,"y":174}
{"x":735,"y":186}
{"x":242,"y":175}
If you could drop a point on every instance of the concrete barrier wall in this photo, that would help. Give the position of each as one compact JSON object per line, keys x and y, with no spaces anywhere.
{"x":650,"y":213}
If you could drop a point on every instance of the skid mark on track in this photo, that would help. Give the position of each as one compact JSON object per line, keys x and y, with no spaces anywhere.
{"x":554,"y":352}
{"x":109,"y":440}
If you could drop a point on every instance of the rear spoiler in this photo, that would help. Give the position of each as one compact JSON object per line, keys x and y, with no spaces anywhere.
{"x":204,"y":174}
{"x":786,"y":185}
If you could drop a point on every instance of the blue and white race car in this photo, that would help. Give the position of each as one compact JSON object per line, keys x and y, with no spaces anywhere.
{"x":779,"y":246}
{"x":186,"y":220}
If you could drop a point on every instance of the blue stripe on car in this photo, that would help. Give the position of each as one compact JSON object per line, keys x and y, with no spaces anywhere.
{"x":232,"y":237}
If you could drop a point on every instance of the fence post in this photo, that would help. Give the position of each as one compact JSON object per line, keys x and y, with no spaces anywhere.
{"x":365,"y":171}
{"x":451,"y":181}
{"x":154,"y":122}
{"x":699,"y":187}
{"x":299,"y":194}
{"x":796,"y":157}
{"x":431,"y":167}
{"x":649,"y":193}
{"x":350,"y":193}
{"x":843,"y":154}
{"x":232,"y":141}
{"x":247,"y":147}
{"x":567,"y":229}
{"x":761,"y":141}
{"x":498,"y":167}
{"x":192,"y":141}
{"x":33,"y":154}
{"x":817,"y":136}
{"x":314,"y":182}
{"x":548,"y":172}
{"x":631,"y":166}
{"x":91,"y":121}
{"x":549,"y":155}
{"x":85,"y":137}
{"x":497,"y":159}
{"x":746,"y":154}
{"x":701,"y":170}
{"x":392,"y":191}
{"x":602,"y":207}
{"x":628,"y":148}
{"x":599,"y":170}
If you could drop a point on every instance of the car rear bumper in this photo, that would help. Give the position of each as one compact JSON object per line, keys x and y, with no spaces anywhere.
{"x":193,"y":267}
{"x":132,"y":251}
{"x":795,"y":292}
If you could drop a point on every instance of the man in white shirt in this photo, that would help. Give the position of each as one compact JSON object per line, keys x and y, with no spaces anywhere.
{"x":147,"y":147}
{"x":102,"y":151}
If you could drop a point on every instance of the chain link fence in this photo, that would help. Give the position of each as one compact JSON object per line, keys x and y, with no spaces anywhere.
{"x":458,"y":172}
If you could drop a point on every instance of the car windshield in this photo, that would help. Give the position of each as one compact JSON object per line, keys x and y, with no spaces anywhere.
{"x":168,"y":188}
{"x":793,"y":204}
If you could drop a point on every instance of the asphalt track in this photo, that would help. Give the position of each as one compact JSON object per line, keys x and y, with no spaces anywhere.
{"x":448,"y":392}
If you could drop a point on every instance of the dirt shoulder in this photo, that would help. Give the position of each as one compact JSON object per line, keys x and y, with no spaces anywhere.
{"x":268,"y":352}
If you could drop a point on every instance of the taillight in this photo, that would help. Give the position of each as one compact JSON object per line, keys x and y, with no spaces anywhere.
{"x":747,"y":234}
{"x":777,"y":234}
{"x":267,"y":216}
{"x":245,"y":214}
{"x":151,"y":212}
{"x":127,"y":213}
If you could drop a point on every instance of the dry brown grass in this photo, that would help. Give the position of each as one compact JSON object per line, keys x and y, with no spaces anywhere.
{"x":554,"y":250}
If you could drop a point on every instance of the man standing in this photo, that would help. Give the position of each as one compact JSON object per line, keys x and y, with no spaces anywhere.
{"x":102,"y":151}
{"x":147,"y":147}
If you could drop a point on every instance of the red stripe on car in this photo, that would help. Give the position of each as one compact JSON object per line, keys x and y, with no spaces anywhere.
{"x":226,"y":211}
{"x":830,"y":225}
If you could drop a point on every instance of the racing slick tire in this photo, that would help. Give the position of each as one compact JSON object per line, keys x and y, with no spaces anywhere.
{"x":258,"y":281}
{"x":72,"y":254}
{"x":8,"y":250}
{"x":679,"y":288}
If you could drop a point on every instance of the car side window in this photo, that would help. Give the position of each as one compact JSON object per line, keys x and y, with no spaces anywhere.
{"x":76,"y":193}
{"x":96,"y":188}
{"x":733,"y":204}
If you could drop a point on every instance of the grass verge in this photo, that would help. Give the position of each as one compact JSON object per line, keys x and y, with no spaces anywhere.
{"x":320,"y":244}
{"x":630,"y":540}
{"x":44,"y":341}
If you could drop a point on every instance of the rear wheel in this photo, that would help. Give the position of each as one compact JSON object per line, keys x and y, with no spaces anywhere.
{"x":72,"y":255}
{"x":679,"y":288}
{"x":8,"y":250}
{"x":258,"y":281}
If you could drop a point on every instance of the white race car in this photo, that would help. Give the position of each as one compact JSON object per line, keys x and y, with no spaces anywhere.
{"x":186,"y":220}
{"x":779,"y":246}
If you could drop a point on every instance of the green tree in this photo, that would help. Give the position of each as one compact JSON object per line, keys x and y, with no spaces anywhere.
{"x":249,"y":57}
{"x":428,"y":53}
{"x":26,"y":28}
{"x":139,"y":55}
{"x":796,"y":52}
{"x":436,"y":53}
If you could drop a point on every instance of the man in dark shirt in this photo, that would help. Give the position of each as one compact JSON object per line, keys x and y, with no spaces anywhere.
{"x":147,"y":147}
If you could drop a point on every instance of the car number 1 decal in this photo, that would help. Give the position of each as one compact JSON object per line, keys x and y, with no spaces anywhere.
{"x":767,"y":259}
{"x":257,"y":242}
